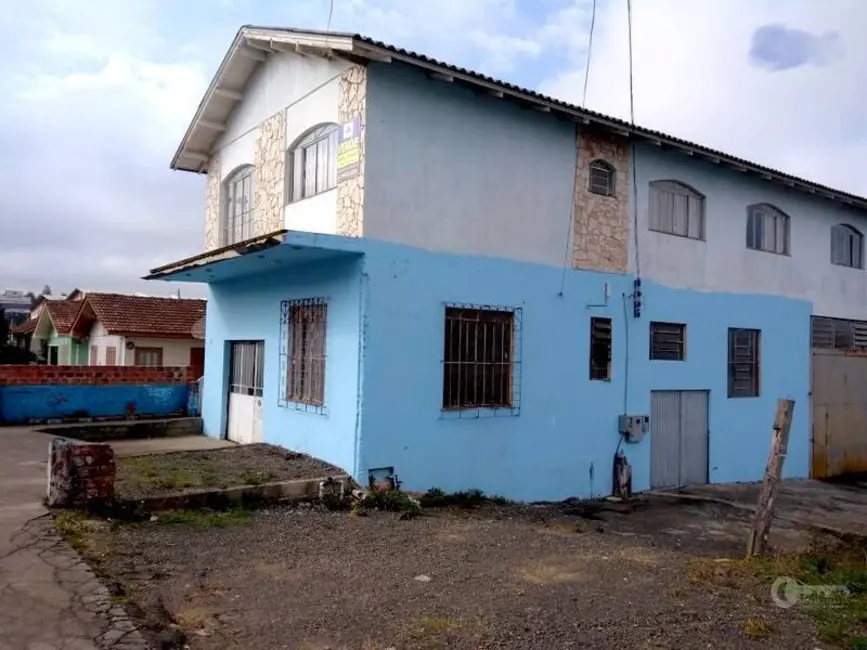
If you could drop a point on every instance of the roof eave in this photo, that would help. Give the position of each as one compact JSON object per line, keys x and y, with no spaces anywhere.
{"x":257,"y":43}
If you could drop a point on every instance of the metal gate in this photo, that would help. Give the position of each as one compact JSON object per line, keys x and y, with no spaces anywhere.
{"x":244,"y":423}
{"x":839,"y":397}
{"x":678,"y":438}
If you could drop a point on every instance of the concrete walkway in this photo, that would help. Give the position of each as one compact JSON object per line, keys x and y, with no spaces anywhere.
{"x":49,"y":598}
{"x":840,"y":508}
{"x":166,"y":445}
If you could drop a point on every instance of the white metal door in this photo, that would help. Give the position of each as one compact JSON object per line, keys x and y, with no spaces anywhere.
{"x":245,"y":392}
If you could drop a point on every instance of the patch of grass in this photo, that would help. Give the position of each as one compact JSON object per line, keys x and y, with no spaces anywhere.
{"x":431,"y":627}
{"x":71,"y":525}
{"x":841,"y":618}
{"x":255,"y":477}
{"x":437,"y":498}
{"x":757,"y":628}
{"x":391,"y":501}
{"x":206,"y":518}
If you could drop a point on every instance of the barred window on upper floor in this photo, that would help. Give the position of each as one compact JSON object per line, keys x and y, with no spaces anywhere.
{"x":311,"y":163}
{"x":676,"y":209}
{"x":847,"y":246}
{"x":238,"y":206}
{"x":767,"y":229}
{"x":601,"y":178}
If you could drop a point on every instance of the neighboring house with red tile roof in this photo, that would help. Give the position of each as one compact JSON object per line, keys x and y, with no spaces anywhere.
{"x":129,"y":330}
{"x":52,"y":336}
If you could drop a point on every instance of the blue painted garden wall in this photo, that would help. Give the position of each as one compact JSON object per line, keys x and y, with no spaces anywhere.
{"x":22,"y":403}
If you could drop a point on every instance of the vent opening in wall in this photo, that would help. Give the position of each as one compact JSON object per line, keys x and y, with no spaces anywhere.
{"x":838,"y":333}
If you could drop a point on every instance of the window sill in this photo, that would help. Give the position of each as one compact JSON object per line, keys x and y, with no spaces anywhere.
{"x":677,"y":234}
{"x":480,"y":412}
{"x":308,"y":409}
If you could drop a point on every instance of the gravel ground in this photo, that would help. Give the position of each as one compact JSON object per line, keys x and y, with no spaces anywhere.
{"x":183,"y":471}
{"x":507,"y":577}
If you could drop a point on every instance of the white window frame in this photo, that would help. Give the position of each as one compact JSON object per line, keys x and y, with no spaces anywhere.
{"x":238,"y":191}
{"x":847,"y":246}
{"x":311,"y":163}
{"x":601,"y":178}
{"x":691,"y":224}
{"x":764,"y":218}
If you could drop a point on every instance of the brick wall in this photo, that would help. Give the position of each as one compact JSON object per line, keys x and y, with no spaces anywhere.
{"x":92,"y":375}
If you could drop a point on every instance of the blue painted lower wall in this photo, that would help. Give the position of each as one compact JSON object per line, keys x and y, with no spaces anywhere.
{"x":21,"y":404}
{"x":386,"y":317}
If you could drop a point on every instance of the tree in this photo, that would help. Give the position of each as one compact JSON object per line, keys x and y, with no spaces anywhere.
{"x":4,"y":329}
{"x":46,"y":290}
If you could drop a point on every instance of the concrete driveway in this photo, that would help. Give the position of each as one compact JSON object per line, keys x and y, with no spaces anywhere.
{"x":49,"y":599}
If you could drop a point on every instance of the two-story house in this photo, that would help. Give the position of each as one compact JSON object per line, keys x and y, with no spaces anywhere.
{"x":414,"y":269}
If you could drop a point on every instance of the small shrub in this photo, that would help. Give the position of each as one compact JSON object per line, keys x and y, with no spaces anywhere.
{"x":392,"y":501}
{"x":467,"y":499}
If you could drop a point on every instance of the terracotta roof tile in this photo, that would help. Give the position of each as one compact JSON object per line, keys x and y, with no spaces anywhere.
{"x":24,"y":328}
{"x":62,"y":314}
{"x":146,"y":316}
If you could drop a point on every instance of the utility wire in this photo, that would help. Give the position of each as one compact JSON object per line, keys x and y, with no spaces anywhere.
{"x":589,"y":54}
{"x":632,"y":147}
{"x":330,"y":14}
{"x":570,"y":232}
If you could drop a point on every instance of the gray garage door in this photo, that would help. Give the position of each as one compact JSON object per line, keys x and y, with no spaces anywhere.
{"x":678,"y":438}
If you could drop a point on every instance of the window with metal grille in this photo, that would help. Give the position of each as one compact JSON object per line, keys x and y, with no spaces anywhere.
{"x":838,"y":333}
{"x":305,"y":323}
{"x":600,"y":349}
{"x":601,"y":178}
{"x":238,"y":206}
{"x":247,"y":370}
{"x":667,"y":341}
{"x":744,"y":362}
{"x":676,"y":209}
{"x":312,"y":163}
{"x":847,"y":246}
{"x":478,"y":358}
{"x":767,"y":229}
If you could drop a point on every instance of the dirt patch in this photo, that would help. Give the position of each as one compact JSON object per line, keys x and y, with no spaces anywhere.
{"x":495,"y":576}
{"x":185,"y":471}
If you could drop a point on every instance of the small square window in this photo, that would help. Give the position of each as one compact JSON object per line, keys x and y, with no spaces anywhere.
{"x":667,"y":341}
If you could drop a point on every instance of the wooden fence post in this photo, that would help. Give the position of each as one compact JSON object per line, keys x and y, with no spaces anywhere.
{"x":757,"y":544}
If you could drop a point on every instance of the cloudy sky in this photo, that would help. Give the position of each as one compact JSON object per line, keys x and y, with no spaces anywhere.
{"x":95,"y":96}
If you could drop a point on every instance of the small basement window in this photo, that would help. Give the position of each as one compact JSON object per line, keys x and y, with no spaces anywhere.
{"x":478,"y":363}
{"x":600,"y":349}
{"x":744,"y":362}
{"x":667,"y":341}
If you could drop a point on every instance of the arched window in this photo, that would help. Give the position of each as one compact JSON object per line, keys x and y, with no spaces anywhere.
{"x":238,"y":206}
{"x":676,"y":209}
{"x":601,"y":178}
{"x":767,"y":229}
{"x":847,"y":246}
{"x":312,"y":163}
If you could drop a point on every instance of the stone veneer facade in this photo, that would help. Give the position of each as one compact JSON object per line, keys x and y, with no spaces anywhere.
{"x":270,"y":154}
{"x":601,"y":223}
{"x":212,"y":204}
{"x":350,"y":192}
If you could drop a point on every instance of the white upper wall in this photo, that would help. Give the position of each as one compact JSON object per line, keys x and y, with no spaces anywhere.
{"x":723,"y":262}
{"x":448,"y":169}
{"x":306,"y":88}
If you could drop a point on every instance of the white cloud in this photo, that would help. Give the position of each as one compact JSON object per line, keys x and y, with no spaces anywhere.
{"x":103,"y":96}
{"x":693,"y":79}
